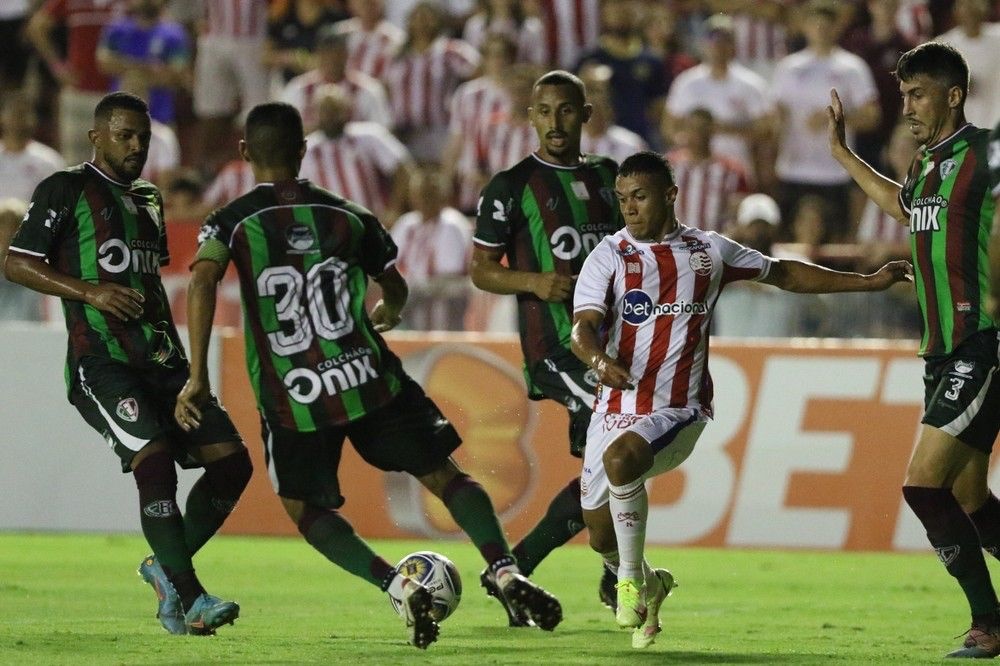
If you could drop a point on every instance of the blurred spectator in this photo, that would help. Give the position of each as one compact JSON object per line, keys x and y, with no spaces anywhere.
{"x":360,"y":161}
{"x":601,"y":136}
{"x":369,"y":101}
{"x":144,"y":46}
{"x":423,"y":77}
{"x":17,"y":303}
{"x":234,"y":180}
{"x":510,"y":136}
{"x":660,"y":34}
{"x":509,"y":18}
{"x":372,"y":41}
{"x":914,"y":20}
{"x":182,"y":197}
{"x":434,"y":242}
{"x":736,"y":97}
{"x":759,"y":32}
{"x":164,"y":153}
{"x":453,"y":12}
{"x":801,"y":93}
{"x":291,"y":37}
{"x":882,"y":236}
{"x":14,"y":51}
{"x":82,"y":85}
{"x":637,"y":85}
{"x":571,"y":27}
{"x":879,"y":44}
{"x":979,"y":42}
{"x":709,"y":186}
{"x":24,"y":162}
{"x":474,"y":106}
{"x":229,"y":74}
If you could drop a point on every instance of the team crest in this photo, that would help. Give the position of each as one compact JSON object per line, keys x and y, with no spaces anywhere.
{"x":701,"y":262}
{"x":947,"y":167}
{"x":928,"y":168}
{"x":964,"y":367}
{"x":300,"y":237}
{"x":580,"y":190}
{"x":128,"y":410}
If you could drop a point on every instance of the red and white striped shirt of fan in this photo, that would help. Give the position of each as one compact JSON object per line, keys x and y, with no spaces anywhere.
{"x":877,"y":226}
{"x":371,"y":51}
{"x":506,"y":142}
{"x":237,"y":19}
{"x":657,"y":299}
{"x":473,"y":106}
{"x":571,"y":27}
{"x":707,"y":189}
{"x":420,"y":85}
{"x":369,"y":99}
{"x":234,"y":180}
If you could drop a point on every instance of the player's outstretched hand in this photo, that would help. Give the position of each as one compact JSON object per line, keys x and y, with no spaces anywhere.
{"x":119,"y":300}
{"x":384,"y":318}
{"x":552,"y":287}
{"x":836,"y":125}
{"x":611,"y":372}
{"x":193,"y":395}
{"x":891,"y":273}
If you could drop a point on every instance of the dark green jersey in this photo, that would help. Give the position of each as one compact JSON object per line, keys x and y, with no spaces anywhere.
{"x":546,"y":217}
{"x":88,"y":226}
{"x":993,"y":153}
{"x":303,"y":256}
{"x":947,"y":198}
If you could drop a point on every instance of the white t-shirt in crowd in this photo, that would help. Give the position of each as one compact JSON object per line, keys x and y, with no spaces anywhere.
{"x":982,"y":107}
{"x":20,"y":172}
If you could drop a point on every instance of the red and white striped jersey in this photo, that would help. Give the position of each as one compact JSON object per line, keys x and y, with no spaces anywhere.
{"x":371,"y":51}
{"x":473,"y":106}
{"x":913,"y":20}
{"x":369,"y":100}
{"x":877,"y":226}
{"x":507,"y":142}
{"x":358,"y":165}
{"x":429,"y":248}
{"x":758,"y":40}
{"x":571,"y":27}
{"x":706,"y":189}
{"x":235,"y":180}
{"x":236,"y":19}
{"x":421,"y":84}
{"x":616,"y":142}
{"x":657,"y":299}
{"x":529,"y":36}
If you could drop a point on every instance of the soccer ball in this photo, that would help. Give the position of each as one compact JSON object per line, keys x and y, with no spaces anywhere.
{"x":438,"y":574}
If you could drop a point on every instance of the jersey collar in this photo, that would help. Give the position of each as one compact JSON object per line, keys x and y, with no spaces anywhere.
{"x":107,"y":177}
{"x":673,"y":235}
{"x":561,"y":166}
{"x":948,"y":139}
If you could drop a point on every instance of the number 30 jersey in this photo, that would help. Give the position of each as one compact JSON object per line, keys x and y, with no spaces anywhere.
{"x":303,"y":256}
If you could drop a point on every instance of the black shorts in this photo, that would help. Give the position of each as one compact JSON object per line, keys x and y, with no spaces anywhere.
{"x":962,"y":391}
{"x":131,"y":407}
{"x":566,"y":379}
{"x":409,"y":434}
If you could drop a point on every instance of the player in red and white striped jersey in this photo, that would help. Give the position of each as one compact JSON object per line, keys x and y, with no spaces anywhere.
{"x":423,"y":77}
{"x":360,"y":161}
{"x":371,"y":40}
{"x":234,"y":180}
{"x":653,"y":286}
{"x":571,"y":27}
{"x":235,"y":18}
{"x":709,"y":185}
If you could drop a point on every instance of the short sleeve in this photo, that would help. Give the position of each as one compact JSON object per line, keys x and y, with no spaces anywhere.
{"x":387,"y":151}
{"x":214,"y":229}
{"x":594,"y":282}
{"x":740,"y":262}
{"x":494,"y":214}
{"x":49,"y":213}
{"x":378,"y":250}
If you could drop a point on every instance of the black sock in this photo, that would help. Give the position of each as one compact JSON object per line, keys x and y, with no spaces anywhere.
{"x":987,"y":521}
{"x":562,"y":521}
{"x":162,"y":524}
{"x":954,"y":537}
{"x":213,"y":497}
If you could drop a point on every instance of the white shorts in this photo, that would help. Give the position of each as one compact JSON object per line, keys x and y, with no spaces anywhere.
{"x":672,"y":434}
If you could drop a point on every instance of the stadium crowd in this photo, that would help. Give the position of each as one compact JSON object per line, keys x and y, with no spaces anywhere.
{"x":412,"y":105}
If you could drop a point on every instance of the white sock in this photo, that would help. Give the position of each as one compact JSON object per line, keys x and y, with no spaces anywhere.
{"x":611,"y":561}
{"x":395,"y":589}
{"x":629,"y":506}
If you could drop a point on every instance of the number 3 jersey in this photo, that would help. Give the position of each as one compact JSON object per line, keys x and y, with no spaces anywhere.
{"x":657,"y":299}
{"x":303,"y":256}
{"x":546,"y":218}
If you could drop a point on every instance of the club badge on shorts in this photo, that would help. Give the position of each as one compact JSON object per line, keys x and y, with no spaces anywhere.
{"x":128,"y":410}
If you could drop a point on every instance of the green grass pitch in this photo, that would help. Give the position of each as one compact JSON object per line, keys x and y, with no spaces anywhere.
{"x":75,"y":599}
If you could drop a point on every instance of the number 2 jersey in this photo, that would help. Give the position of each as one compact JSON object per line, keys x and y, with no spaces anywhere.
{"x":657,"y":299}
{"x":303,"y":256}
{"x":92,"y":227}
{"x":546,"y":218}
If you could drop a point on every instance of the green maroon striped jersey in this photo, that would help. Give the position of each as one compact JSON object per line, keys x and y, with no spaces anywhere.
{"x":947,"y":198}
{"x":994,"y":162}
{"x":303,"y":256}
{"x":86,"y":225}
{"x":546,"y":217}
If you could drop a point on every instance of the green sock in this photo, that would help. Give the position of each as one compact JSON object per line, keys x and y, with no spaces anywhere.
{"x":213,"y":497}
{"x":331,"y":535}
{"x":162,"y":525}
{"x":562,"y":521}
{"x":201,"y":518}
{"x":472,"y":509}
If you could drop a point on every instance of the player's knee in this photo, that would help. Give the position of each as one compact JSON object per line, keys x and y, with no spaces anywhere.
{"x":602,"y":541}
{"x":626,"y":459}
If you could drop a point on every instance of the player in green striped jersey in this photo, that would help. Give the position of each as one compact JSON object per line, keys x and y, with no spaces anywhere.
{"x":94,"y":236}
{"x":946,"y":202}
{"x":545,"y":214}
{"x":322,"y":371}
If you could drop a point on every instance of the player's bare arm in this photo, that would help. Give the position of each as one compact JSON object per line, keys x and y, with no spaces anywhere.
{"x":387,"y":313}
{"x":883,"y":191}
{"x":118,"y":300}
{"x":805,"y":278}
{"x":201,"y":297}
{"x":587,"y":347}
{"x":490,"y":275}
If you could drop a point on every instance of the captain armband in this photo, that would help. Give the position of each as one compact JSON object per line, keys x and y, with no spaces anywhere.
{"x":213,"y":250}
